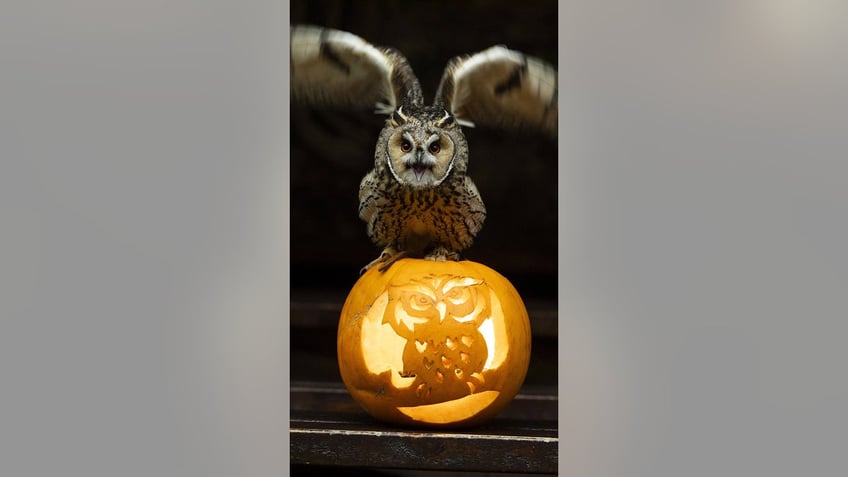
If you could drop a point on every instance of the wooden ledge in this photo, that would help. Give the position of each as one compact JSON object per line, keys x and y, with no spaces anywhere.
{"x":329,"y":429}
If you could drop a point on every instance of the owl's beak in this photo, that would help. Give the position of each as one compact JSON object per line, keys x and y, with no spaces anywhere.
{"x":418,"y":164}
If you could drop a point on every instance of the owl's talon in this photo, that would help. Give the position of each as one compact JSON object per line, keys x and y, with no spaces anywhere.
{"x":390,"y":260}
{"x":370,"y":264}
{"x":387,"y":258}
{"x":442,"y":254}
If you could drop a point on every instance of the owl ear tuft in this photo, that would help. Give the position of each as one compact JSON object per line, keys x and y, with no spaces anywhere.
{"x":398,"y":118}
{"x":447,"y":121}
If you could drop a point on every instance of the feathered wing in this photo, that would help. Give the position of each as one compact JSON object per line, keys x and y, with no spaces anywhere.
{"x":368,"y":198}
{"x":501,"y":88}
{"x":337,"y":68}
{"x":476,"y":210}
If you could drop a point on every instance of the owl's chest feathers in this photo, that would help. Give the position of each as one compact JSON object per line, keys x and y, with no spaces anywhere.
{"x":418,"y":219}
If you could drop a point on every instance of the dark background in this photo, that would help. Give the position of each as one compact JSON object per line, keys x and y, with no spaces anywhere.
{"x":515,"y":171}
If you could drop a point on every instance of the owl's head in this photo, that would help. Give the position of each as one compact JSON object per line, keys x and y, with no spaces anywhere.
{"x":421,"y":146}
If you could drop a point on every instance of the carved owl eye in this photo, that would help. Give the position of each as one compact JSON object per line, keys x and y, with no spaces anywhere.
{"x":457,"y":294}
{"x":419,"y":302}
{"x":462,"y":301}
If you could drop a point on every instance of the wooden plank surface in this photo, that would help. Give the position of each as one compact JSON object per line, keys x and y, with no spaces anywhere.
{"x":329,"y":429}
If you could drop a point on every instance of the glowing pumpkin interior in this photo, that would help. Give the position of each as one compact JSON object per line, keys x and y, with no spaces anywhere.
{"x":433,"y":343}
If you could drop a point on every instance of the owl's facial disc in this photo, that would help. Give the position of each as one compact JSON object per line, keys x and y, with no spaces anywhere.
{"x":420,"y":158}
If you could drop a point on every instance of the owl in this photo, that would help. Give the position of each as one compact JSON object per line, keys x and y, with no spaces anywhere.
{"x":440,"y":317}
{"x":418,"y":200}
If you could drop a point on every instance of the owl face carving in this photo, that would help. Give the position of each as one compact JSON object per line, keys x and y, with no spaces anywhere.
{"x":442,"y":301}
{"x":421,"y":151}
{"x":441,"y":317}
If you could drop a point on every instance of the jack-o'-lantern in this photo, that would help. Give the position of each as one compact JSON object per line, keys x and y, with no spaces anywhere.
{"x":433,"y":343}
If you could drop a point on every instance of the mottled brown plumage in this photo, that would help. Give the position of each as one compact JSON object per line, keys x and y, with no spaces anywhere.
{"x":418,"y":200}
{"x":433,"y":214}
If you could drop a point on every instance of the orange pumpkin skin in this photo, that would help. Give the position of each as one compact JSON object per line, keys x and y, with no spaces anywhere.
{"x":437,"y":344}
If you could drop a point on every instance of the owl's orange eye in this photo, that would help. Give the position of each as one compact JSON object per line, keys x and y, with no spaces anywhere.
{"x":434,"y":148}
{"x":405,"y":145}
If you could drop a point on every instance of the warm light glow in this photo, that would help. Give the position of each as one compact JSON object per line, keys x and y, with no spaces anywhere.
{"x":380,"y":340}
{"x":487,"y":329}
{"x":436,"y":344}
{"x":458,"y":410}
{"x":496,"y":335}
{"x":383,"y":347}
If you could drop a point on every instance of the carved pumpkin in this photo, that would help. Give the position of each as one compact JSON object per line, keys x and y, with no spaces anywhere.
{"x":433,"y":343}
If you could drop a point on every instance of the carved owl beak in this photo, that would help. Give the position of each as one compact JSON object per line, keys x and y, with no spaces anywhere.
{"x":442,"y":307}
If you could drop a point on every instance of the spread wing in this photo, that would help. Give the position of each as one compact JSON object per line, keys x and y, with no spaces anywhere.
{"x":501,"y":88}
{"x":337,"y":68}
